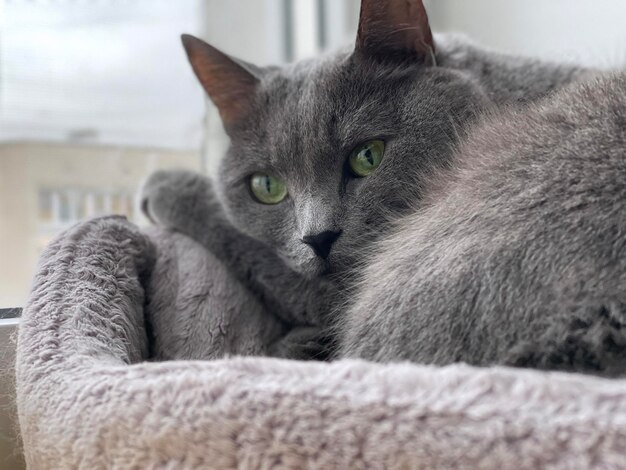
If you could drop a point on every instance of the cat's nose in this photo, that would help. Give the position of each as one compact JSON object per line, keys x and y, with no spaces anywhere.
{"x":322,"y":243}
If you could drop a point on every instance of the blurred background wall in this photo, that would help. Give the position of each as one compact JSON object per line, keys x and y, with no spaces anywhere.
{"x":592,"y":32}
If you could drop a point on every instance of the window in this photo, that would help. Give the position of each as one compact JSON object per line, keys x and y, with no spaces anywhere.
{"x":94,"y":95}
{"x":63,"y":207}
{"x":97,"y":94}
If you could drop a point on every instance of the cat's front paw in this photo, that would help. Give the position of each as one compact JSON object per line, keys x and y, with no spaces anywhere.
{"x":175,"y":198}
{"x":303,"y":343}
{"x":592,"y":341}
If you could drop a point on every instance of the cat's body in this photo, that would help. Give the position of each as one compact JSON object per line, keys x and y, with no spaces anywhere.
{"x":518,"y":254}
{"x":301,"y":123}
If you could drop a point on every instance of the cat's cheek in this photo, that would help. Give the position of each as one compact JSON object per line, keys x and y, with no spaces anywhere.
{"x":248,"y":221}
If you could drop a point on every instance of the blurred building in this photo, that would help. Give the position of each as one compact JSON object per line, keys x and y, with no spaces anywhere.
{"x":47,"y":187}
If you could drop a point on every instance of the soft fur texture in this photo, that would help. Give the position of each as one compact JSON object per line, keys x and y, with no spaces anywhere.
{"x":185,"y":202}
{"x":301,"y":122}
{"x":518,"y":254}
{"x":86,"y":400}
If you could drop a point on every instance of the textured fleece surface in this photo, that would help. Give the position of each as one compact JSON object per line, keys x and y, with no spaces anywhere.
{"x":87,"y":399}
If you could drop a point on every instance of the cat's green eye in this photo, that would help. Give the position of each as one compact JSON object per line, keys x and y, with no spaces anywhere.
{"x":267,"y":189}
{"x":366,"y":158}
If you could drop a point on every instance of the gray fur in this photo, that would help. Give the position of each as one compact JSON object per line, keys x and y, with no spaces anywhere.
{"x":506,"y":79}
{"x":518,"y":254}
{"x":185,"y":201}
{"x":301,"y":124}
{"x":307,"y":117}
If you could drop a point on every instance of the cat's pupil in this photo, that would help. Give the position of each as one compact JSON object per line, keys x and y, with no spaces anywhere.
{"x":267,"y":184}
{"x":369,"y":156}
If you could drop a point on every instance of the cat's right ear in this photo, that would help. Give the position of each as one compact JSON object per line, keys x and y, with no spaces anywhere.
{"x":395,"y":30}
{"x":228,"y":83}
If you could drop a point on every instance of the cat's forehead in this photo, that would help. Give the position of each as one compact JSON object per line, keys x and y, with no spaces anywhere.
{"x":325,"y":102}
{"x":295,"y":114}
{"x":300,"y":90}
{"x":314,"y":113}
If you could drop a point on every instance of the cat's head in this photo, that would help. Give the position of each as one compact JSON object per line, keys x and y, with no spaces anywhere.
{"x":323,"y":152}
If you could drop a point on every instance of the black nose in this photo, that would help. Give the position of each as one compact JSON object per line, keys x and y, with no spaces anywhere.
{"x":322,"y":243}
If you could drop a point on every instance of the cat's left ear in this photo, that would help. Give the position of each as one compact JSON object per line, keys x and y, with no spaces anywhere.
{"x":230,"y":84}
{"x":395,"y":29}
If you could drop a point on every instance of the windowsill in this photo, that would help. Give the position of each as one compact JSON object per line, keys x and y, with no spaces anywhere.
{"x":10,"y":313}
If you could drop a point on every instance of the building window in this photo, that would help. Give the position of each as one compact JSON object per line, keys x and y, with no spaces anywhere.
{"x":60,"y":208}
{"x":95,"y":95}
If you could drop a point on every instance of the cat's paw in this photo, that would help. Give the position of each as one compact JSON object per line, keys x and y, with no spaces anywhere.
{"x":303,"y":343}
{"x":593,"y":342}
{"x":173,"y":198}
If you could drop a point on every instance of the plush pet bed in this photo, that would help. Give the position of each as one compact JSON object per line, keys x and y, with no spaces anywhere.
{"x":87,"y":398}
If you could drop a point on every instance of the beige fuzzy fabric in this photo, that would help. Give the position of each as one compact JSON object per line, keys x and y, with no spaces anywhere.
{"x":86,"y":399}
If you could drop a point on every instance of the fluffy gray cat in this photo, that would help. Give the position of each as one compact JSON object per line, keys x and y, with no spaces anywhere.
{"x":367,"y":192}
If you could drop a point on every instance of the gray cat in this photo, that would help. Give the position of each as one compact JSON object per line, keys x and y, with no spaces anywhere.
{"x":483,"y":264}
{"x":517,"y":254}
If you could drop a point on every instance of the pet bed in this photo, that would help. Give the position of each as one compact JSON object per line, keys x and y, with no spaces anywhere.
{"x":88,"y":398}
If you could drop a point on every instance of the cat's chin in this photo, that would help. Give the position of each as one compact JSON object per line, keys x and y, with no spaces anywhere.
{"x":313,"y":268}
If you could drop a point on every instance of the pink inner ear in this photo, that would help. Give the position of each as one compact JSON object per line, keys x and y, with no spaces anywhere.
{"x":392,"y":26}
{"x":228,"y":84}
